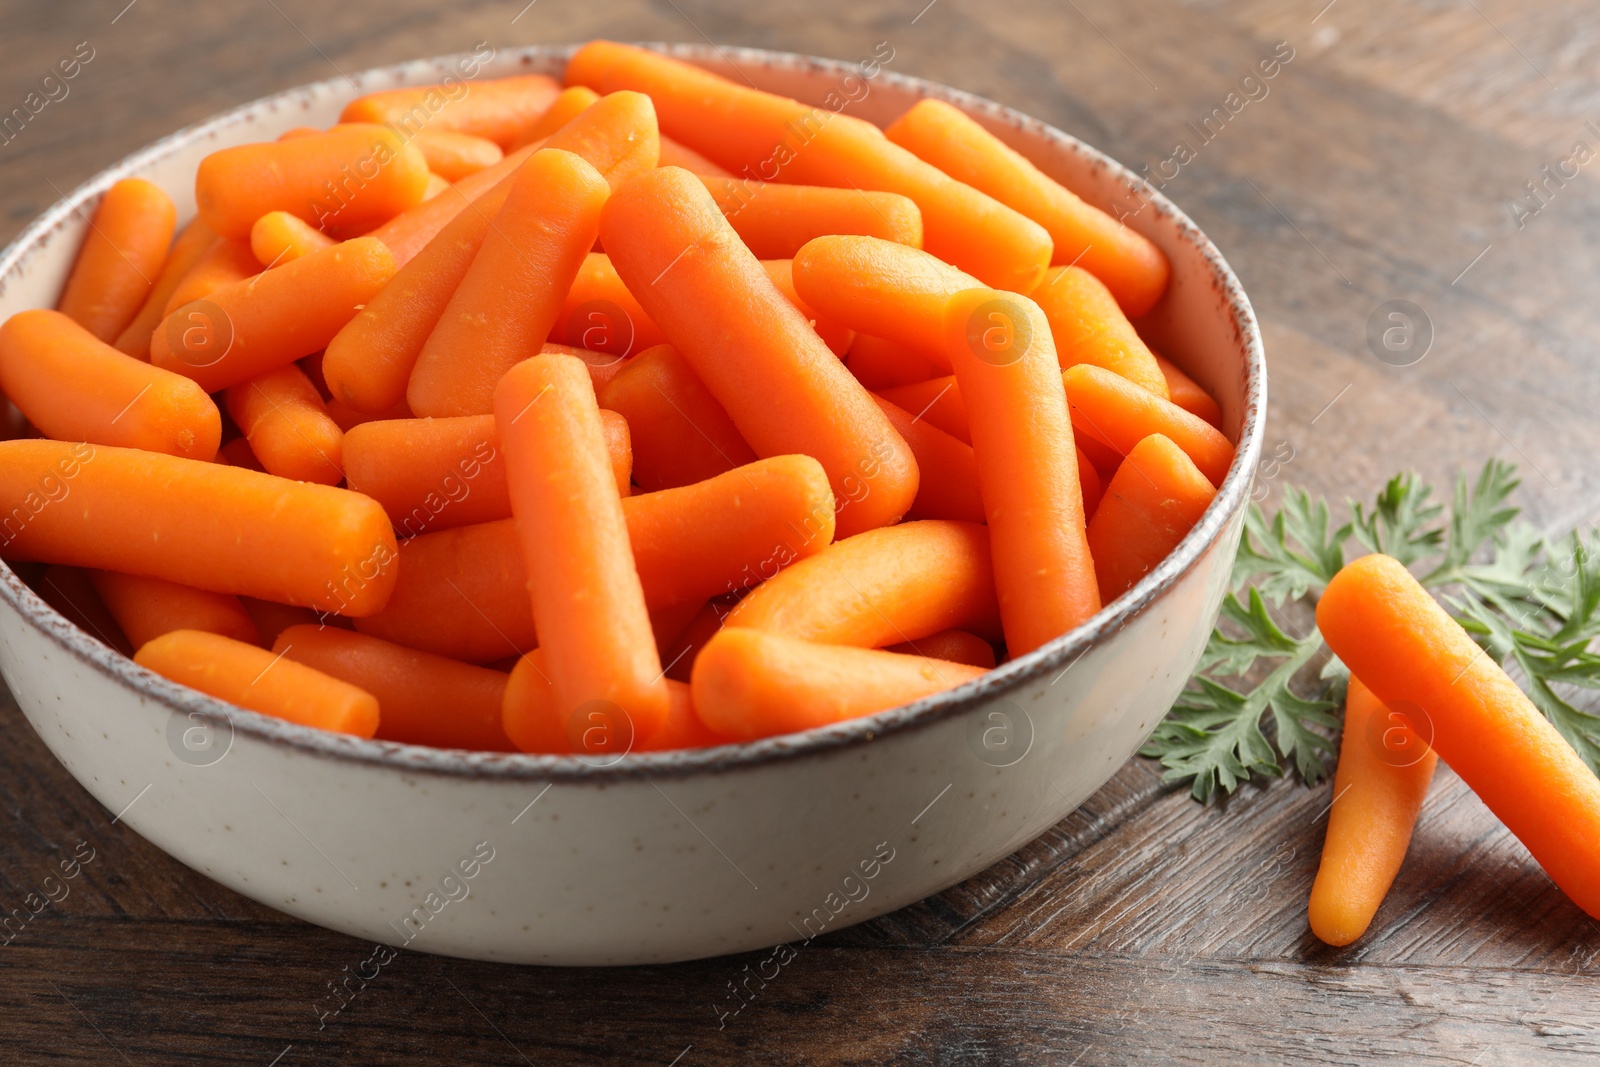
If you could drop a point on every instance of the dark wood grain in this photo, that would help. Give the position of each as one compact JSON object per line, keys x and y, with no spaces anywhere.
{"x":1143,"y":928}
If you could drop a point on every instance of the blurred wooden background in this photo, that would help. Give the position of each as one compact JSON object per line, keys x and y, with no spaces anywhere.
{"x":1143,"y":929}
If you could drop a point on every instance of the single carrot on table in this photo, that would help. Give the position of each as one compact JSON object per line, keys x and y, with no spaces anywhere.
{"x":263,"y":323}
{"x":75,"y":387}
{"x":680,"y":433}
{"x":424,"y":699}
{"x":1128,"y":262}
{"x":208,"y":525}
{"x":146,"y":608}
{"x":1152,"y":503}
{"x":748,"y":684}
{"x":1089,"y":327}
{"x":121,"y":258}
{"x":496,"y":109}
{"x":289,"y":429}
{"x":218,"y":267}
{"x":588,"y":603}
{"x":453,"y":155}
{"x":775,"y":221}
{"x":1189,"y":394}
{"x":956,"y":646}
{"x":195,"y":241}
{"x":1444,"y":688}
{"x":1116,"y":412}
{"x":1005,"y":363}
{"x":1383,"y":774}
{"x":279,"y":237}
{"x":783,"y":388}
{"x":254,"y":678}
{"x":567,"y":105}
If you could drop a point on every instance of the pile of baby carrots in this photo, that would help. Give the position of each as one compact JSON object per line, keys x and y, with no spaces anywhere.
{"x":527,"y":420}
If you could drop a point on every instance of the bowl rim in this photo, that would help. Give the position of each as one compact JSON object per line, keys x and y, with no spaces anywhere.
{"x":1059,"y":654}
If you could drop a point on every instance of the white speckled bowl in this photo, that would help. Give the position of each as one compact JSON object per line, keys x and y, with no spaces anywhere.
{"x":659,"y":857}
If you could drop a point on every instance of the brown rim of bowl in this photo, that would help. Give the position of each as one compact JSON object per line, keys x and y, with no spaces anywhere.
{"x":417,"y":759}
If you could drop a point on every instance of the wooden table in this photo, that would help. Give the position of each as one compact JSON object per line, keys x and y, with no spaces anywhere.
{"x":1143,"y":928}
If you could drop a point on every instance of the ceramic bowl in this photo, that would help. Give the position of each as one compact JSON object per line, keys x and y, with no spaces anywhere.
{"x":654,"y":857}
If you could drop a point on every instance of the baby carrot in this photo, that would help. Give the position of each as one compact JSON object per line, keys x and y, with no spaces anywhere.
{"x":1114,"y":411}
{"x":674,"y":154}
{"x":69,"y":591}
{"x":208,"y":525}
{"x":666,"y":623}
{"x":344,"y":182}
{"x":272,"y":619}
{"x":290,"y":432}
{"x":617,"y":136}
{"x":496,"y":109}
{"x":236,"y":453}
{"x":409,"y":232}
{"x":936,"y":401}
{"x":435,"y":474}
{"x":195,"y":240}
{"x":949,"y":486}
{"x":1188,"y":394}
{"x":889,"y":289}
{"x":1005,"y":363}
{"x":748,"y":684}
{"x":679,"y":655}
{"x":279,"y":237}
{"x":533,"y":719}
{"x":462,"y":593}
{"x":146,"y":608}
{"x":1152,"y":503}
{"x":1089,"y":482}
{"x":121,"y":257}
{"x":256,"y":679}
{"x":453,"y":155}
{"x":425,"y":699}
{"x":879,"y":363}
{"x":882,"y":587}
{"x":511,"y":294}
{"x":599,"y":314}
{"x":683,"y":728}
{"x":1378,"y":787}
{"x":588,"y":604}
{"x":1127,"y":261}
{"x":680,"y":433}
{"x":220,"y":266}
{"x":835,"y":335}
{"x":436,"y":186}
{"x":955,"y":646}
{"x":74,"y":387}
{"x":775,"y":221}
{"x":568,"y":105}
{"x":275,"y":318}
{"x":762,"y":136}
{"x":783,"y":388}
{"x":1089,"y":327}
{"x":1435,"y":679}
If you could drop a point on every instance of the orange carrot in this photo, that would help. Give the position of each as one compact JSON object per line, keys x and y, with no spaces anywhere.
{"x":1114,"y":411}
{"x":568,"y":105}
{"x":775,"y":221}
{"x":1152,"y":503}
{"x":769,"y":138}
{"x":510,"y":296}
{"x":751,"y":347}
{"x":121,"y":258}
{"x":1000,"y":346}
{"x":425,"y":699}
{"x":682,"y":435}
{"x":936,"y":401}
{"x":279,"y":237}
{"x":237,"y":453}
{"x":272,"y":619}
{"x":195,"y":241}
{"x":288,"y":427}
{"x":436,"y":474}
{"x":497,"y":109}
{"x":892,"y":290}
{"x":949,"y":486}
{"x":602,"y":366}
{"x":1383,"y":774}
{"x":344,"y":182}
{"x":1438,"y":683}
{"x":1127,"y":261}
{"x":453,"y":155}
{"x":680,"y":652}
{"x":1089,"y":483}
{"x":262,"y":323}
{"x":1089,"y":327}
{"x":599,"y":313}
{"x":436,"y":187}
{"x":588,"y":604}
{"x":749,"y":684}
{"x":461,"y":593}
{"x":409,"y":233}
{"x":146,"y":608}
{"x":617,"y":136}
{"x":534,"y":719}
{"x":1101,"y":456}
{"x":882,"y":587}
{"x":1188,"y":394}
{"x":955,"y":646}
{"x":254,"y":678}
{"x":666,"y":623}
{"x":220,"y":266}
{"x":674,"y":154}
{"x":69,"y":591}
{"x":74,"y":387}
{"x":215,"y":527}
{"x":879,"y":363}
{"x":837,"y":336}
